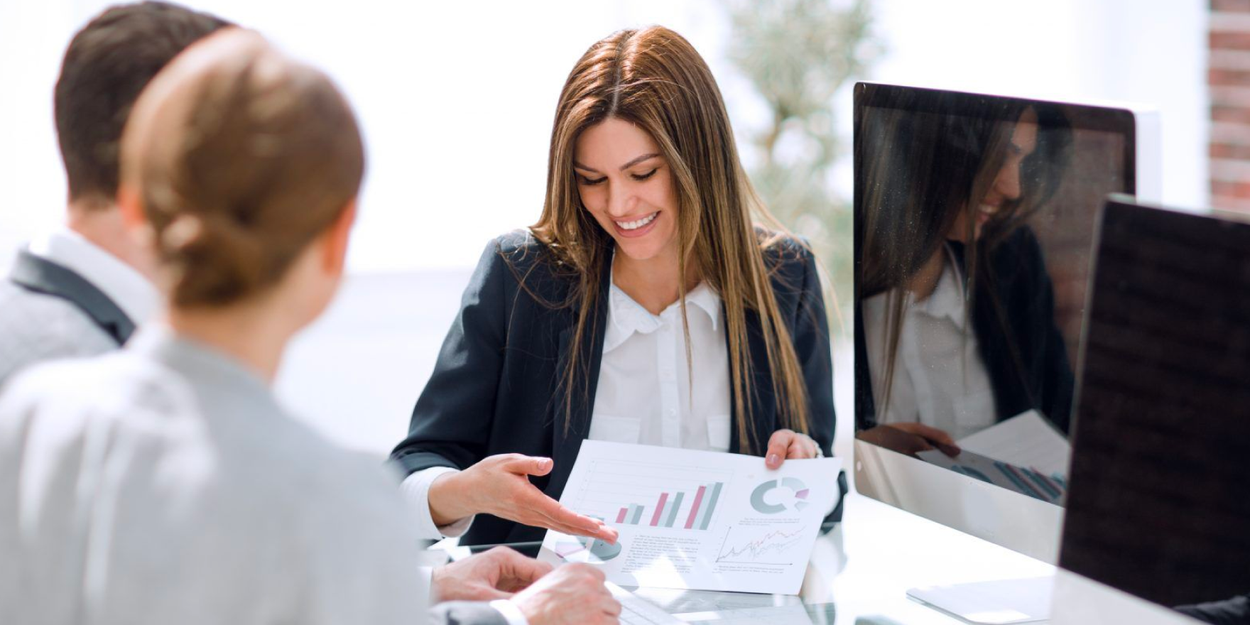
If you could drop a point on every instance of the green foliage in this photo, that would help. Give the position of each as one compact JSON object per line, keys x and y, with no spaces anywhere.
{"x":797,"y":54}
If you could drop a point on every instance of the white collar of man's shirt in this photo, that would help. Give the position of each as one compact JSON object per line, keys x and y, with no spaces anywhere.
{"x":947,"y":298}
{"x":132,"y":292}
{"x":626,"y":316}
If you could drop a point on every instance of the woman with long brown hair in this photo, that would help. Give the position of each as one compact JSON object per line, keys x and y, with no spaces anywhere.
{"x":955,"y":325}
{"x":644,"y":306}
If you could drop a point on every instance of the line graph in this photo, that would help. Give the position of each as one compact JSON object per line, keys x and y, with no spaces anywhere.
{"x":761,"y":546}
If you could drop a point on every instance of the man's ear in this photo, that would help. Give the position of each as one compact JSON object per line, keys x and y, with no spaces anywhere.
{"x":131,"y":207}
{"x":335,"y":249}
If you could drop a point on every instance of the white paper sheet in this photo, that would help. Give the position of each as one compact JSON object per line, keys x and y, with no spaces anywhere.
{"x":1025,"y":440}
{"x":696,"y":519}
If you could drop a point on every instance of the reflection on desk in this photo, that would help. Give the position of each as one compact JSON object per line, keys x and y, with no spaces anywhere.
{"x":860,"y":572}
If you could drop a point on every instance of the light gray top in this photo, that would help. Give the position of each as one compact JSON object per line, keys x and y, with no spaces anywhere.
{"x":36,"y":326}
{"x":163,"y":484}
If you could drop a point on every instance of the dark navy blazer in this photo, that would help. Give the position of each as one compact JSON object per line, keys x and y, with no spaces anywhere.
{"x":496,"y":387}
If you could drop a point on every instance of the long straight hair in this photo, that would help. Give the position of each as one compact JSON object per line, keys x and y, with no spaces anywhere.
{"x":656,"y":80}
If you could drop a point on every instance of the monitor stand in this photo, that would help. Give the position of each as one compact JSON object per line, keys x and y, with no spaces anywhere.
{"x":998,"y":602}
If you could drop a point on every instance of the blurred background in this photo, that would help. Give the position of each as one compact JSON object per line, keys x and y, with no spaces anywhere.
{"x":456,"y":101}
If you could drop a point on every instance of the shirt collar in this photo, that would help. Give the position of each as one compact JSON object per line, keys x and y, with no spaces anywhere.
{"x":627,"y":317}
{"x":947,"y":299}
{"x":132,"y":292}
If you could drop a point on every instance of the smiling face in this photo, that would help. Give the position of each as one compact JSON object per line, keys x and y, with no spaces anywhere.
{"x":626,"y":184}
{"x":1006,"y":185}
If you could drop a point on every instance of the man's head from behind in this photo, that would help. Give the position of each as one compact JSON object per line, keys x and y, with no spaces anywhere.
{"x":106,"y":67}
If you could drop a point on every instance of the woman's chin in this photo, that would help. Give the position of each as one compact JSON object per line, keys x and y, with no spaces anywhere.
{"x":637,"y":251}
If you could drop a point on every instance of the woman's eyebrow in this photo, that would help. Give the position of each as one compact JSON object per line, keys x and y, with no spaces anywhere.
{"x":639,"y":160}
{"x":633,"y":162}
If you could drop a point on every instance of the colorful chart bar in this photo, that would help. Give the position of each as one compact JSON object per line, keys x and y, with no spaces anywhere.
{"x":711,"y":507}
{"x":659,"y":509}
{"x":667,"y":509}
{"x":672,"y":513}
{"x":694,"y":509}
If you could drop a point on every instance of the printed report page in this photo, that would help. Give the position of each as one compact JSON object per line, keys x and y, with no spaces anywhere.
{"x":696,"y":519}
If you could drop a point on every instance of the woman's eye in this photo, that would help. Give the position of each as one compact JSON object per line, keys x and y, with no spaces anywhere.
{"x":588,"y":182}
{"x":646,"y":175}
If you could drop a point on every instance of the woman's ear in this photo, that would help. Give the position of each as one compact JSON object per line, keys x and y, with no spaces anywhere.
{"x":131,"y":207}
{"x":335,"y":249}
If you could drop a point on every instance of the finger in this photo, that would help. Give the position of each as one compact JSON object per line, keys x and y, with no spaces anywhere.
{"x":777,"y":445}
{"x":612,"y":607}
{"x":949,"y":450}
{"x":801,"y":447}
{"x":934,"y":434}
{"x":518,"y":569}
{"x":528,"y":465}
{"x":474,"y":590}
{"x":583,"y":569}
{"x":919,"y":444}
{"x":552,"y":509}
{"x":537,"y":518}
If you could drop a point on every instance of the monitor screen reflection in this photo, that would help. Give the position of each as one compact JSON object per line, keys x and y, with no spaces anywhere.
{"x":974,"y":219}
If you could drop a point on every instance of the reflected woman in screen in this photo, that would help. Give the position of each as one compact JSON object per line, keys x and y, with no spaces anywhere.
{"x":956,"y":309}
{"x":644,"y":306}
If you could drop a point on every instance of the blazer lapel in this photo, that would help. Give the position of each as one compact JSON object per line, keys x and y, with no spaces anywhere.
{"x":44,"y":276}
{"x":567,"y":441}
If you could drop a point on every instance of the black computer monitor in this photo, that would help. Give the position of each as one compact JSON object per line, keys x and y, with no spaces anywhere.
{"x":974,"y":219}
{"x":1159,"y":504}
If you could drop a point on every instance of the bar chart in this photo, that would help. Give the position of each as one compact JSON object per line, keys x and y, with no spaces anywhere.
{"x":669,"y":512}
{"x":653,"y":495}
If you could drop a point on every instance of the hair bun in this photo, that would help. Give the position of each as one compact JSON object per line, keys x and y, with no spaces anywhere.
{"x":213,"y":258}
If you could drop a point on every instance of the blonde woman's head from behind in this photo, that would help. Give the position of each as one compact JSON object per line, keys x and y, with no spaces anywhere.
{"x":241,"y":166}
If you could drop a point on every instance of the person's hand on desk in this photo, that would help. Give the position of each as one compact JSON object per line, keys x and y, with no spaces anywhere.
{"x":910,"y":438}
{"x":500,"y":485}
{"x":495,"y":574}
{"x":787,"y":444}
{"x":573,"y":594}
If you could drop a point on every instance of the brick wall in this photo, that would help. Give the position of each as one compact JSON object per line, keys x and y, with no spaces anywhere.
{"x":1228,"y":78}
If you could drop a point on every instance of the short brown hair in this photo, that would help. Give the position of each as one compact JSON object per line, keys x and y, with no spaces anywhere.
{"x":241,"y":157}
{"x":107,"y":65}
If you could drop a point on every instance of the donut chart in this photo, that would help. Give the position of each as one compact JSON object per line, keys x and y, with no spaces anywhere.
{"x":777,"y":496}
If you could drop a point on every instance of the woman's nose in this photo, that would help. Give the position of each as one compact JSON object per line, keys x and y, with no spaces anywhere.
{"x":620,"y":202}
{"x":1008,"y":183}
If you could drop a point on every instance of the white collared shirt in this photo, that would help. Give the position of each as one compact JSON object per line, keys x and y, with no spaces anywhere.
{"x":645,"y":392}
{"x":939,"y":377}
{"x":129,"y":289}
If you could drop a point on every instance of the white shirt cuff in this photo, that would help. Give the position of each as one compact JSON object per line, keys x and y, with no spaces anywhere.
{"x":510,"y":612}
{"x":416,"y":489}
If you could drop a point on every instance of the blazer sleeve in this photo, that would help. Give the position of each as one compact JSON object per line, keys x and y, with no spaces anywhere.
{"x":811,"y":345}
{"x":451,"y":421}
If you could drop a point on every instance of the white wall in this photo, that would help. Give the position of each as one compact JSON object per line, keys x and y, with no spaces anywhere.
{"x":456,"y":98}
{"x":1139,"y":51}
{"x":456,"y":101}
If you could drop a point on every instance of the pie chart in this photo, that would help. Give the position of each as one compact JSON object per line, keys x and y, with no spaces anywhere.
{"x":777,"y":496}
